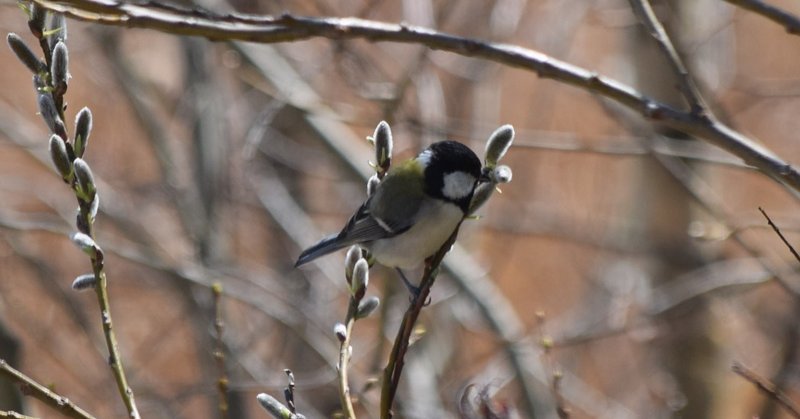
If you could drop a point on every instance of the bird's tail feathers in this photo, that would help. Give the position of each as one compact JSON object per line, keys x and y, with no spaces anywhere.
{"x":325,"y":246}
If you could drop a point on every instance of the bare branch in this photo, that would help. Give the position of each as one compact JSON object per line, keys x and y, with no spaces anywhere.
{"x":288,"y":28}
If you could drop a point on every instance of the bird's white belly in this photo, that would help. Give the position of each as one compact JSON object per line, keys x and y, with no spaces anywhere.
{"x":436,"y":222}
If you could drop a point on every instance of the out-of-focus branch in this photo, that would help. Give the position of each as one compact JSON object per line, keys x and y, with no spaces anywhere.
{"x":219,"y":352}
{"x":287,"y":28}
{"x":623,"y":146}
{"x":12,"y":414}
{"x":644,"y":11}
{"x":30,"y":386}
{"x":775,"y":14}
{"x":768,"y":388}
{"x":709,"y":200}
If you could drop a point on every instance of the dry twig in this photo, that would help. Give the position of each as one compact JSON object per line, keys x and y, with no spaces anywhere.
{"x":31,"y":387}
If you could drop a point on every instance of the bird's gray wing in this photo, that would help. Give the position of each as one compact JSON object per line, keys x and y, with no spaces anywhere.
{"x":362,"y":227}
{"x":365,"y":227}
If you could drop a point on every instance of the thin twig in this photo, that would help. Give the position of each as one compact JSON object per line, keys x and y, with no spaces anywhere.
{"x":775,"y":14}
{"x":288,"y":28}
{"x":344,"y":361}
{"x":767,"y":387}
{"x":551,"y":367}
{"x":114,"y":359}
{"x":778,"y":232}
{"x":644,"y":11}
{"x":42,"y":393}
{"x":219,"y":352}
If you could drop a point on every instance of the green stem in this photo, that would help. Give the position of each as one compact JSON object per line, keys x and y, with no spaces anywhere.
{"x":101,"y":290}
{"x":114,"y":359}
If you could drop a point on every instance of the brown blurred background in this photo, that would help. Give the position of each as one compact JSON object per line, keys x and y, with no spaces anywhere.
{"x":638,"y":252}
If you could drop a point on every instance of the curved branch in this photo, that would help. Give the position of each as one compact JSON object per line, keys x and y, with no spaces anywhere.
{"x":775,"y":14}
{"x":288,"y":28}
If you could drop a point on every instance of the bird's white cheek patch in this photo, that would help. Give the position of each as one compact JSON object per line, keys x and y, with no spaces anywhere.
{"x":457,"y":185}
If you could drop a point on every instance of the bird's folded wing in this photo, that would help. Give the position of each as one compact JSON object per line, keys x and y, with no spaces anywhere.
{"x":364,"y":227}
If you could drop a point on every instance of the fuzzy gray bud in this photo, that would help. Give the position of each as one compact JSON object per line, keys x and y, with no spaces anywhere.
{"x":84,"y":282}
{"x":86,"y":187}
{"x":501,"y":174}
{"x":367,"y":306}
{"x":85,"y":243}
{"x":59,"y":69}
{"x":39,"y":83}
{"x":482,"y":193}
{"x":340,"y":331}
{"x":383,"y":146}
{"x":94,"y":207}
{"x":353,"y":255}
{"x":360,"y":279}
{"x":83,"y":128}
{"x":25,"y":54}
{"x":49,"y":112}
{"x":36,"y":17}
{"x":498,"y":144}
{"x":57,"y":30}
{"x":58,"y":153}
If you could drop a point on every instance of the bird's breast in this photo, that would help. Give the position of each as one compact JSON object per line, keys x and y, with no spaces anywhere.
{"x":436,"y":221}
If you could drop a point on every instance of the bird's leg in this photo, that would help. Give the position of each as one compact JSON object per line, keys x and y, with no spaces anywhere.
{"x":413,"y":289}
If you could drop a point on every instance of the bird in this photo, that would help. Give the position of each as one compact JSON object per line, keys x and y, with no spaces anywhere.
{"x":413,"y":210}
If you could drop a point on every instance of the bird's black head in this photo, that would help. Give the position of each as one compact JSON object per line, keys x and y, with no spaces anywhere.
{"x":451,"y":172}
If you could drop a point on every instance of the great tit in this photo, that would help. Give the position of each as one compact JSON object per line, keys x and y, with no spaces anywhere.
{"x":413,"y":210}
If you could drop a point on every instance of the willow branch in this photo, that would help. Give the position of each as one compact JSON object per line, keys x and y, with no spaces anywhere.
{"x":31,"y":387}
{"x":344,"y":361}
{"x":51,"y":83}
{"x":394,"y":368}
{"x":289,"y":28}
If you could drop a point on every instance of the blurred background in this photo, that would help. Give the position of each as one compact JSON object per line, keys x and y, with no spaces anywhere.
{"x":628,"y":260}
